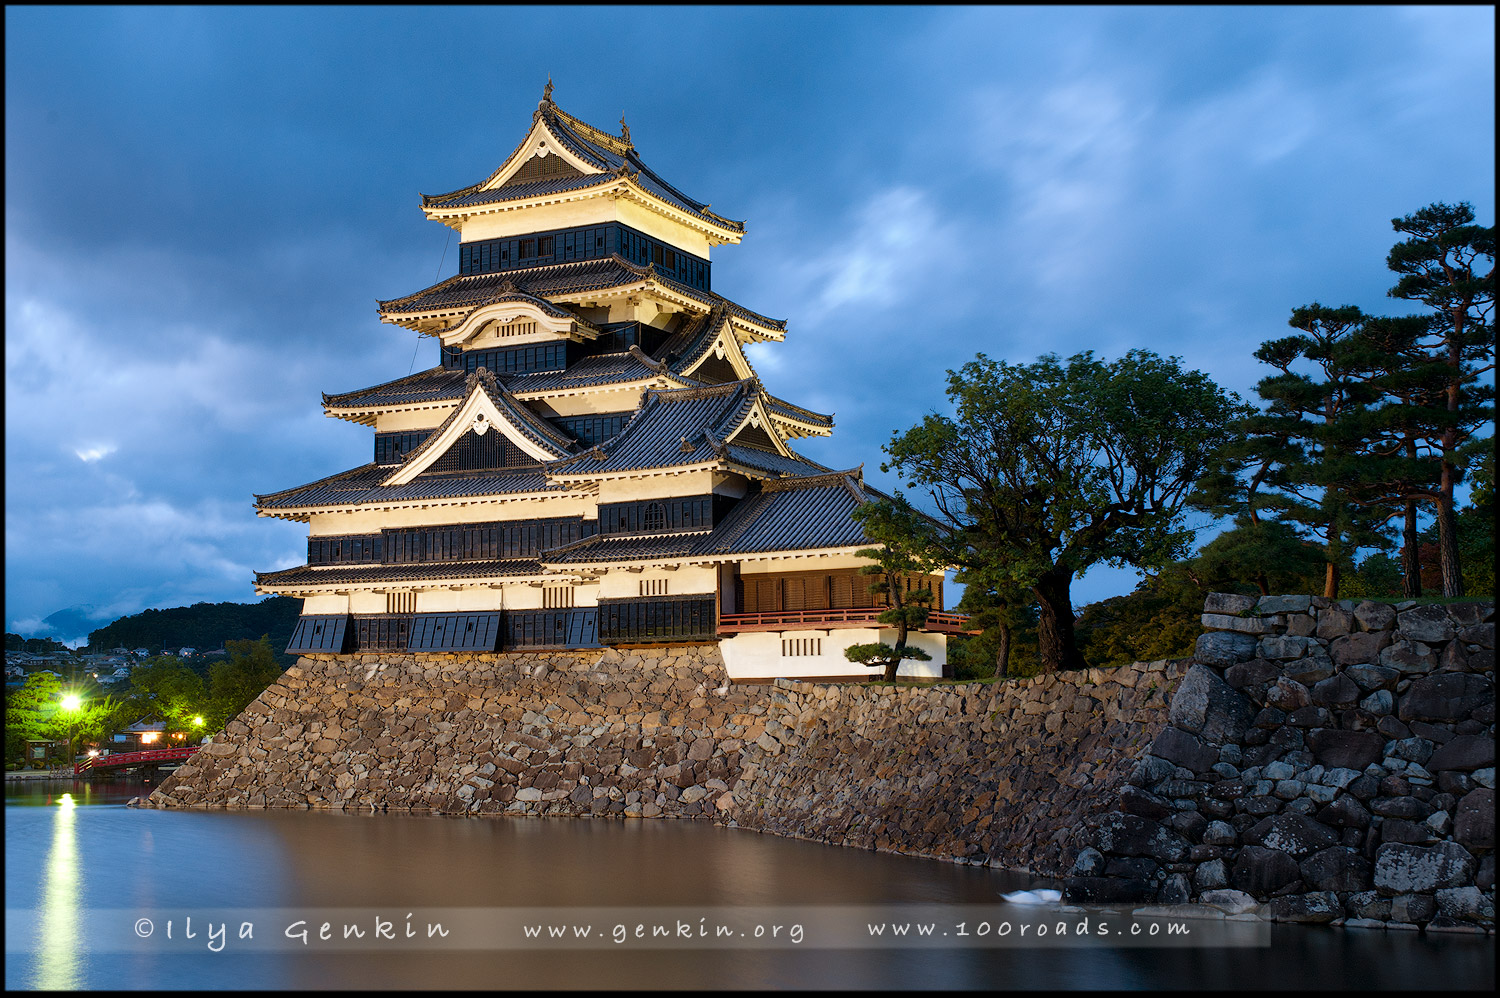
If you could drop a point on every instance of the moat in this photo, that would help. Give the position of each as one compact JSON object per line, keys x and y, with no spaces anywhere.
{"x":73,"y":849}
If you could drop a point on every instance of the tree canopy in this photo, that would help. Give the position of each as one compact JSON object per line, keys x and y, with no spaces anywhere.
{"x":1049,"y":468}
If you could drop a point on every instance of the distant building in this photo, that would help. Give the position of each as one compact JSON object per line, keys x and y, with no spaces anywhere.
{"x":593,"y":461}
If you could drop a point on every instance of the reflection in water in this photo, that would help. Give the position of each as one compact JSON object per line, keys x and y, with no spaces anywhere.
{"x":149,"y":863}
{"x":58,"y":947}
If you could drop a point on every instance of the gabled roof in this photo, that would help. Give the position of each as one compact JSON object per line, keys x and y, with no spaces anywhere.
{"x":813,"y":512}
{"x":686,"y":428}
{"x":607,"y":160}
{"x":362,"y":487}
{"x":509,"y":302}
{"x":487,"y":407}
{"x":580,"y":280}
{"x":434,"y":385}
{"x":346,"y":575}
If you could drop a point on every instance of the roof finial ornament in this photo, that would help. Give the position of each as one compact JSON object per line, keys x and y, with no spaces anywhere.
{"x":547,"y":90}
{"x":625,"y":131}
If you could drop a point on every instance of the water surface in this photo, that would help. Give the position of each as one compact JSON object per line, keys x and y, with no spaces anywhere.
{"x":74,"y":848}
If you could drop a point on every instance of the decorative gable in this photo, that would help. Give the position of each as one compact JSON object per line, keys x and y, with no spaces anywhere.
{"x":461,"y":441}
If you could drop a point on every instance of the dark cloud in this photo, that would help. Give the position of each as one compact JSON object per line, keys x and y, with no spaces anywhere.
{"x":203,"y":204}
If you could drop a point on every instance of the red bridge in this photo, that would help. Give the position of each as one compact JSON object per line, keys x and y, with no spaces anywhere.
{"x":121,"y":759}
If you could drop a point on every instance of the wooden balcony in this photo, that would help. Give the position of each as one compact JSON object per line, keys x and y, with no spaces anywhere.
{"x":819,"y":620}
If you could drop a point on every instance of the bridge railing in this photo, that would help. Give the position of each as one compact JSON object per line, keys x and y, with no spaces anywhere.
{"x":118,"y":759}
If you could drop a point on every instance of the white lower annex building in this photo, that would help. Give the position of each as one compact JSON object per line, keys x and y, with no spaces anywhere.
{"x":593,"y":462}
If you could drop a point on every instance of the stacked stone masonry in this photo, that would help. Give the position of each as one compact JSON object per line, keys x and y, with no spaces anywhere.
{"x":1327,"y":761}
{"x":1002,"y":775}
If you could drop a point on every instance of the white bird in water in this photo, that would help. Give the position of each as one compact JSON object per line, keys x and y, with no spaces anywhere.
{"x":1043,"y":896}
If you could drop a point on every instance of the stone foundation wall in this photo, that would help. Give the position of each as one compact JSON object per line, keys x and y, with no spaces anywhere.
{"x":642,"y":733}
{"x":1000,"y":775}
{"x":1333,"y":761}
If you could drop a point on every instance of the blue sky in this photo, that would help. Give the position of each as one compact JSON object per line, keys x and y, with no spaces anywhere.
{"x":202,"y":206}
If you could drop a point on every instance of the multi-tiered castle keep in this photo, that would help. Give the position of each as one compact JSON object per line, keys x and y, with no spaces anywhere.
{"x":593,"y":462}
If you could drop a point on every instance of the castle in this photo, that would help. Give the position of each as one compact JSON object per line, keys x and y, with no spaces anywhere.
{"x":593,"y":462}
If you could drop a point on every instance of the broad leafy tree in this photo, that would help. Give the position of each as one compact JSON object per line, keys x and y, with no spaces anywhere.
{"x":235,"y":682}
{"x":1047,"y":469}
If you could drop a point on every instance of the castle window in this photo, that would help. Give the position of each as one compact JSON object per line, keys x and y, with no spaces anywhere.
{"x":655,"y":517}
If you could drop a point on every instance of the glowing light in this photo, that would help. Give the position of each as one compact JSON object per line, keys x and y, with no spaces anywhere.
{"x":197,"y":722}
{"x":72,"y":701}
{"x":148,"y":737}
{"x":58,"y":950}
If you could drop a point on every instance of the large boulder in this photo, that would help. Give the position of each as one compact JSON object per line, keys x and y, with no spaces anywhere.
{"x":1224,"y":648}
{"x":1260,"y":872}
{"x":1131,"y":835}
{"x":1474,"y":827}
{"x":1466,"y":753}
{"x":1346,"y":749}
{"x":1184,"y":749}
{"x":1294,"y":834}
{"x":1449,"y":696}
{"x":1429,"y":624}
{"x":1205,"y":704}
{"x":1412,"y":869}
{"x":1337,"y":868}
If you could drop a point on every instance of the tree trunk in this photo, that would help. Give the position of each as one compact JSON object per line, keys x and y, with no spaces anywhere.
{"x":900,"y":650}
{"x":1262,"y":583}
{"x":1453,"y":580}
{"x":1331,"y":582}
{"x":1411,"y":562}
{"x":1002,"y":654}
{"x":1054,"y":631}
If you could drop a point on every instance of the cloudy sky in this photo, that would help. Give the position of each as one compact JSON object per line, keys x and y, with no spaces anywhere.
{"x":202,"y":206}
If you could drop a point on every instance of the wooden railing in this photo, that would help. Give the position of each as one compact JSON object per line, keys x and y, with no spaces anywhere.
{"x":118,"y":759}
{"x":859,"y":616}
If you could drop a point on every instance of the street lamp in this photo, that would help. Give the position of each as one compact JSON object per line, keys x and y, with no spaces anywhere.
{"x":71,"y":703}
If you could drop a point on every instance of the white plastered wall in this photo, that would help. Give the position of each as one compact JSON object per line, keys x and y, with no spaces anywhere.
{"x":758,"y":654}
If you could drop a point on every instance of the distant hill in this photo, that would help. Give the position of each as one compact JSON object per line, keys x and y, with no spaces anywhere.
{"x":70,"y":625}
{"x":203,"y":626}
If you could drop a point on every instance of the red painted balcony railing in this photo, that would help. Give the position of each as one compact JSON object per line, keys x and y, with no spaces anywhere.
{"x":118,"y":759}
{"x":859,"y":616}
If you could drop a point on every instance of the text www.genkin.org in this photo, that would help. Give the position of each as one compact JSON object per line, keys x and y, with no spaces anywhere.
{"x":866,"y":926}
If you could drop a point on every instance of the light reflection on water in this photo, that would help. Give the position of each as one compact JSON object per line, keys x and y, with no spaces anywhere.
{"x":57,"y":958}
{"x":63,"y":856}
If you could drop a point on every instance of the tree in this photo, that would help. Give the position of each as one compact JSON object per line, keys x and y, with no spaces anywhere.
{"x":1267,"y":554}
{"x":235,"y":682}
{"x":1443,"y":265}
{"x":167,"y":688}
{"x":909,"y":545}
{"x":1047,"y":469}
{"x":31,"y":712}
{"x":1308,"y":441}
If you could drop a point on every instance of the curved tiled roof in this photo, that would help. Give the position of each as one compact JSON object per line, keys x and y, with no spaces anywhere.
{"x":792,"y":514}
{"x":331,"y":575}
{"x":361,"y":486}
{"x":667,"y":430}
{"x":578,"y":277}
{"x":436,"y":384}
{"x":615,"y":156}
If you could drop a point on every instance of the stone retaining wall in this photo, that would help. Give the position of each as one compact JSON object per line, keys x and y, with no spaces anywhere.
{"x":646,"y":733}
{"x":1334,"y":761}
{"x":1001,"y":775}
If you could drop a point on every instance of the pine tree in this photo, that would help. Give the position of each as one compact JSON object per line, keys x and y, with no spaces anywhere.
{"x":1447,"y":263}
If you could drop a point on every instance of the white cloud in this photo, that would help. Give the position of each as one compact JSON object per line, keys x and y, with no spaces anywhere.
{"x":93,"y":452}
{"x":879,"y":255}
